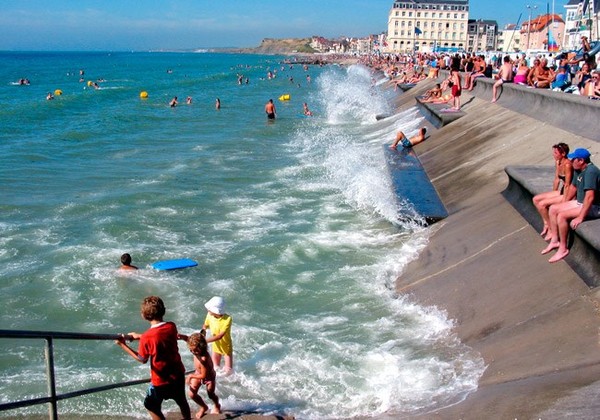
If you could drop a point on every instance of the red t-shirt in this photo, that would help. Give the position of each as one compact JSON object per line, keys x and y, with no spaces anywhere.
{"x":159,"y":344}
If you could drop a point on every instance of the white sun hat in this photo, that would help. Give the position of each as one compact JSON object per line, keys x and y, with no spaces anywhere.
{"x":216,"y":305}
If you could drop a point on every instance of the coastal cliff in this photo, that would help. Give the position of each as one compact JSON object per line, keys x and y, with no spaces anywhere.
{"x":534,"y":323}
{"x":280,"y":46}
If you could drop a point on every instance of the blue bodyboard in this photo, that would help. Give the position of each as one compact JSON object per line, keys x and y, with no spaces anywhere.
{"x":174,"y":264}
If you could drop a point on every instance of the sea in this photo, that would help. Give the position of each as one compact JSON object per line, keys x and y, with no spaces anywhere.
{"x":293,"y":222}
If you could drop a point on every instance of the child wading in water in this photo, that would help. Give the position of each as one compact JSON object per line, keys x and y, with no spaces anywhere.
{"x":219,"y":324}
{"x":204,"y":374}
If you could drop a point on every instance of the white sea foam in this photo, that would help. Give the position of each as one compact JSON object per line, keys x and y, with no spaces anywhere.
{"x":296,"y":226}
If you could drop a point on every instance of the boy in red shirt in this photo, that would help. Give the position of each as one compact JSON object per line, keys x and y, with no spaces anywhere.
{"x":159,"y":345}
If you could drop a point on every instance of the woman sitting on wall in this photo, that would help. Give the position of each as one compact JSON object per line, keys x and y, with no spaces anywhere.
{"x":563,"y":175}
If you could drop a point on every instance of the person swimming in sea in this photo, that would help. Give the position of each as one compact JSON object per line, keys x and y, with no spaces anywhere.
{"x":126,"y":262}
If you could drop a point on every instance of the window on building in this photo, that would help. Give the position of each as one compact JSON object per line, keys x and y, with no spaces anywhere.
{"x":456,"y":16}
{"x":433,"y":14}
{"x":426,"y":14}
{"x":409,"y":14}
{"x":425,"y":24}
{"x":401,"y":33}
{"x":403,"y":24}
{"x":418,"y":24}
{"x":447,"y":15}
{"x":410,"y":23}
{"x":403,"y":13}
{"x":418,"y":14}
{"x":396,"y":24}
{"x":454,"y":25}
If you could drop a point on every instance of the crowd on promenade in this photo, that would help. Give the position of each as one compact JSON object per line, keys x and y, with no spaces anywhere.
{"x":575,"y":196}
{"x":563,"y":72}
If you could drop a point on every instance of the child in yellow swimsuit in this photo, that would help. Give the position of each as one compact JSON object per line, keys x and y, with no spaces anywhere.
{"x":219,"y":324}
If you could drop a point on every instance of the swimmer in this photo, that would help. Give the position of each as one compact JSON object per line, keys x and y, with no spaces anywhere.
{"x":307,"y":111}
{"x":218,"y":104}
{"x":126,"y":262}
{"x":173,"y":102}
{"x":49,"y":96}
{"x":406,"y":142}
{"x":188,"y":100}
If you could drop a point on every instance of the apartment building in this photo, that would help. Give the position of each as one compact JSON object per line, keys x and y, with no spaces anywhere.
{"x":482,"y":35}
{"x":427,"y":25}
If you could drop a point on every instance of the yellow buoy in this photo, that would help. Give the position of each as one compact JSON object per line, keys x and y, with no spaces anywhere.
{"x":285,"y":97}
{"x":89,"y":83}
{"x":58,"y":92}
{"x":144,"y":95}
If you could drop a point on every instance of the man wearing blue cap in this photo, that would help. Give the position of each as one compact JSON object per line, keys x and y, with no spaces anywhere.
{"x":583,"y":203}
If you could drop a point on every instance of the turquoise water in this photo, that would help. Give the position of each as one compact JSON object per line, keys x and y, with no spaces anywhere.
{"x":293,"y":222}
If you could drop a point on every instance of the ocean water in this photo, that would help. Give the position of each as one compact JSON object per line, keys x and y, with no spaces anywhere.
{"x":293,"y":222}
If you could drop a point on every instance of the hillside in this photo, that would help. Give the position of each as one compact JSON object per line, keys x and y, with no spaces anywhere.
{"x":281,"y":46}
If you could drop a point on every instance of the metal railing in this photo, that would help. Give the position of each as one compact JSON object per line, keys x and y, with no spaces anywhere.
{"x":53,"y":398}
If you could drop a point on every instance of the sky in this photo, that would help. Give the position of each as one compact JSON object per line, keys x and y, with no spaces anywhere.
{"x":130,"y":25}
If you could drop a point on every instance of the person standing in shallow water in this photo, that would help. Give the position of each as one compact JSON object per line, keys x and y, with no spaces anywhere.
{"x":270,"y":109}
{"x":219,"y":324}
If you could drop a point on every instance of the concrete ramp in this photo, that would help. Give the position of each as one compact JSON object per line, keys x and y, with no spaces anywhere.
{"x":534,"y":323}
{"x":411,"y":183}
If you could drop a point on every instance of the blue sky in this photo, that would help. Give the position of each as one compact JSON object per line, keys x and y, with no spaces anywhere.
{"x":187,"y":24}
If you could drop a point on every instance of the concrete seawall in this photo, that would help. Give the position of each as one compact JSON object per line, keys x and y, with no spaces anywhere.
{"x":535,"y":324}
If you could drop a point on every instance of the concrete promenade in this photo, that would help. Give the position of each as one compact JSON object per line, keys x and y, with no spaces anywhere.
{"x":535,"y":324}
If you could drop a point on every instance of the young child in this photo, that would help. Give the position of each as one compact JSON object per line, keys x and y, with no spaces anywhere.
{"x":159,"y":345}
{"x":219,"y":324}
{"x":456,"y":89}
{"x":204,"y":374}
{"x":126,"y":262}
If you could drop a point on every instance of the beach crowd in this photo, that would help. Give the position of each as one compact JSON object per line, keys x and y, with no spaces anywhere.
{"x":575,"y":196}
{"x":565,"y":72}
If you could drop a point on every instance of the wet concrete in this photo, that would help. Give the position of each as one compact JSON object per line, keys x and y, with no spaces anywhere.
{"x":535,"y":324}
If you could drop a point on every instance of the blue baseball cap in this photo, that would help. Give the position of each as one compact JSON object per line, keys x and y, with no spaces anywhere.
{"x":579,"y":153}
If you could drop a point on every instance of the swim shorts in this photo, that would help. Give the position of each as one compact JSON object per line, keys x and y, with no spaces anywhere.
{"x":271,"y":115}
{"x":157,"y":394}
{"x":406,"y":143}
{"x":456,"y":90}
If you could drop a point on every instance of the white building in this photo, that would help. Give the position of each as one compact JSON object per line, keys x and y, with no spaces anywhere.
{"x":582,"y":19}
{"x":427,"y":25}
{"x":509,"y":38}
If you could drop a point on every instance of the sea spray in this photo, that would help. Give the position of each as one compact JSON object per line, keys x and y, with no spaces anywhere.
{"x":294,"y":223}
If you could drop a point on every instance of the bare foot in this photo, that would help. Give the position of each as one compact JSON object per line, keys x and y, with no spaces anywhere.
{"x":559,"y":255}
{"x":545,"y":230}
{"x":550,"y":247}
{"x":202,"y":411}
{"x":548,"y":237}
{"x":216,"y":410}
{"x":493,"y":100}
